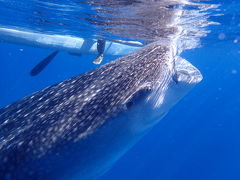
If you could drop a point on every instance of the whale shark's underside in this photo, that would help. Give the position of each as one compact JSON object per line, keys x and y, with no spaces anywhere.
{"x":78,"y":128}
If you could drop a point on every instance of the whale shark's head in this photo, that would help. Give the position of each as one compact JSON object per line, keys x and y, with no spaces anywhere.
{"x":158,"y":101}
{"x":186,"y":76}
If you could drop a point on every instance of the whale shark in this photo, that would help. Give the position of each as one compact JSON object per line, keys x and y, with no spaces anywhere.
{"x":78,"y":128}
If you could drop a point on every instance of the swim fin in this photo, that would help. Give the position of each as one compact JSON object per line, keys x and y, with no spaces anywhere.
{"x":41,"y":65}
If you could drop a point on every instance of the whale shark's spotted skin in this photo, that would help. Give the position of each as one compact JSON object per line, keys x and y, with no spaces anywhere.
{"x":39,"y":126}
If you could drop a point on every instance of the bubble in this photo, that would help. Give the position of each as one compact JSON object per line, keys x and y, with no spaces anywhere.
{"x":221,"y":36}
{"x":234,"y":71}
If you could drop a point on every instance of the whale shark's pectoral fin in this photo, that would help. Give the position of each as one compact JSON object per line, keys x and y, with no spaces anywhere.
{"x":42,"y":64}
{"x":100,"y":47}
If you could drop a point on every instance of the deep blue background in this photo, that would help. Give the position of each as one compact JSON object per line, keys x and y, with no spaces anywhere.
{"x":200,"y":137}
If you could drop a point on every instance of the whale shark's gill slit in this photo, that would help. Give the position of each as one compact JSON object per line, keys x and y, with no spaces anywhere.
{"x":158,"y":95}
{"x":175,"y":75}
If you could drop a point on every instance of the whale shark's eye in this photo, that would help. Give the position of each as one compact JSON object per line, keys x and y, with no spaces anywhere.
{"x":175,"y":78}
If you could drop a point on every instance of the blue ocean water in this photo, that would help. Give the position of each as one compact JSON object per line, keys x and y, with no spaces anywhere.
{"x":198,"y":139}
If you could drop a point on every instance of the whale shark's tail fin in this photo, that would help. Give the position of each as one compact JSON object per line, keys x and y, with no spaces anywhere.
{"x":42,"y":64}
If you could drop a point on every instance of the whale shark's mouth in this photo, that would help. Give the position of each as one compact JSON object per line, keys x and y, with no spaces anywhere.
{"x":186,"y":72}
{"x":164,"y":97}
{"x":185,"y":77}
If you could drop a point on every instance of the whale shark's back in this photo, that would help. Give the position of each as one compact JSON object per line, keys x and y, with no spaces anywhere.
{"x":42,"y":123}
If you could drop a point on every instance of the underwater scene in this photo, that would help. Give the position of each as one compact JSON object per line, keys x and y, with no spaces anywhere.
{"x":119,"y":89}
